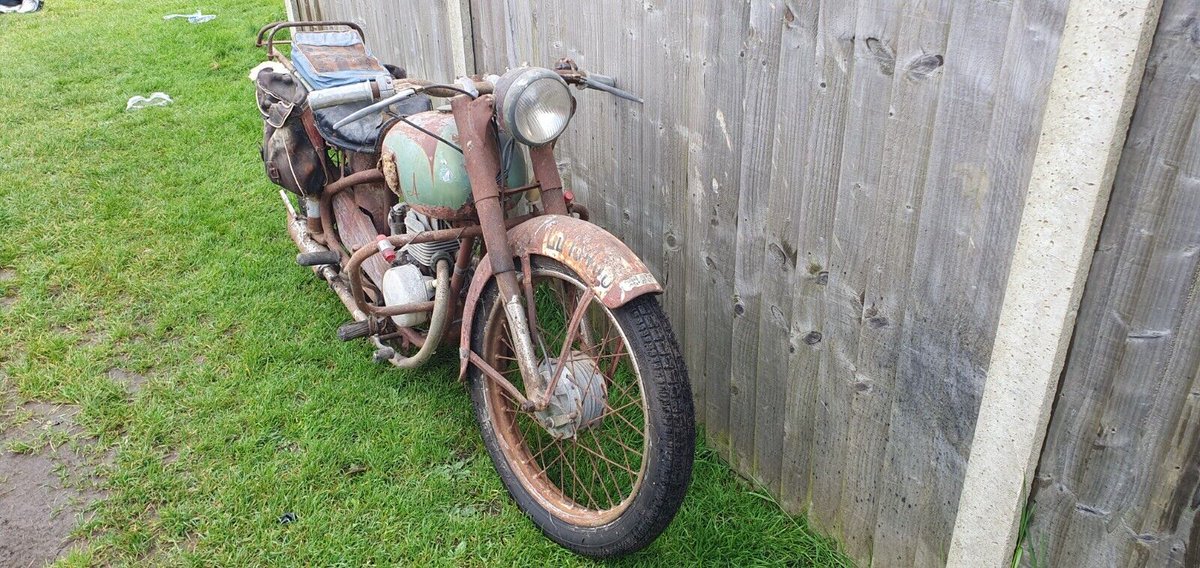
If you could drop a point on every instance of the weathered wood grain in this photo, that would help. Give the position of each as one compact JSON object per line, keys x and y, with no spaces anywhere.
{"x":790,"y":204}
{"x":667,"y":45}
{"x":1120,"y":469}
{"x":860,"y":229}
{"x":808,"y":277}
{"x":758,"y":118}
{"x":884,"y":271}
{"x":830,"y":191}
{"x":714,"y":158}
{"x":830,"y":75}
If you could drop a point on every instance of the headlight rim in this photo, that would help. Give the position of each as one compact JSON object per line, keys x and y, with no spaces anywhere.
{"x":514,"y":82}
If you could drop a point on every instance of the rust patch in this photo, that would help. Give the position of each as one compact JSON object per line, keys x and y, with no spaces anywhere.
{"x":615,"y":274}
{"x":390,"y":175}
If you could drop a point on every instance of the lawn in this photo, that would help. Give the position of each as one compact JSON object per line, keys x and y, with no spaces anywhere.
{"x":147,"y":285}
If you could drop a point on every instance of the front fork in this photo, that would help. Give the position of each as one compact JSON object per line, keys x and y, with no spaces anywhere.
{"x":473,"y":118}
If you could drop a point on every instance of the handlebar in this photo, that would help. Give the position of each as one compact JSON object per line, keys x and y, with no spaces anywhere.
{"x":382,"y":88}
{"x":388,"y":91}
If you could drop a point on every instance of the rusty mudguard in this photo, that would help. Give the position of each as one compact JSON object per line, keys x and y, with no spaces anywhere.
{"x":615,"y":274}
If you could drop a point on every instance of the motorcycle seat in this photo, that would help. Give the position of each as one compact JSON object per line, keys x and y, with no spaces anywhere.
{"x":363,"y":135}
{"x":332,"y":59}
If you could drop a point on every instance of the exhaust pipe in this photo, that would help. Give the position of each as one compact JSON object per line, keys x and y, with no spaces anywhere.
{"x":310,"y":249}
{"x":437,"y":323}
{"x":298,"y":229}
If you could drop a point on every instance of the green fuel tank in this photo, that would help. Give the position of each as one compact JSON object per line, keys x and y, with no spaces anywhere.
{"x":429,"y":175}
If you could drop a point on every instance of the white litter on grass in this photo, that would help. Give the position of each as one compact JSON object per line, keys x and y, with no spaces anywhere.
{"x":138,"y":102}
{"x":196,"y":18}
{"x":22,"y":8}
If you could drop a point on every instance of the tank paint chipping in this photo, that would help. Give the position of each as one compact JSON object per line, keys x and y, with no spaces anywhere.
{"x":614,"y":272}
{"x":430,"y":175}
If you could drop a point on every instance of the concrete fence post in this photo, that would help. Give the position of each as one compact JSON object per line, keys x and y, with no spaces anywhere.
{"x":1100,"y":64}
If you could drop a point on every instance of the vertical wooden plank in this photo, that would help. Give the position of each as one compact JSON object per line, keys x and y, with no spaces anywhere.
{"x":624,"y":23}
{"x":816,"y":66}
{"x":593,"y":145}
{"x":841,"y":258}
{"x":485,"y":33}
{"x":800,"y":106}
{"x":714,"y":157}
{"x":458,"y":32}
{"x":1119,"y":471}
{"x":640,"y":229}
{"x":762,"y":58}
{"x":664,"y":166}
{"x":951,"y":309}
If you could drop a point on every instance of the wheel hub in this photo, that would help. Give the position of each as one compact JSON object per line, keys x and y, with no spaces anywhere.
{"x":579,"y":397}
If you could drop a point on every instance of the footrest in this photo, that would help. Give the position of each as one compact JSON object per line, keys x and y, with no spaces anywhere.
{"x":354,"y":330}
{"x":318,"y":258}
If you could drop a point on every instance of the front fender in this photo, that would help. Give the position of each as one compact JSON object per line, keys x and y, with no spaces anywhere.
{"x":614,"y":273}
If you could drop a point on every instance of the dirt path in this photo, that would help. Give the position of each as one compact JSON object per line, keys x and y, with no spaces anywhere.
{"x":46,"y":481}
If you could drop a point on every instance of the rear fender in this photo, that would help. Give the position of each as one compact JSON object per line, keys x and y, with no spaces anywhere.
{"x":614,"y":273}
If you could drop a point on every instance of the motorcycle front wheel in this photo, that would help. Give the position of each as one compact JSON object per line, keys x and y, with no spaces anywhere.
{"x":604,"y":469}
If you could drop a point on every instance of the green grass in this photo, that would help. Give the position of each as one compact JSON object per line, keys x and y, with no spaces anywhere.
{"x":150,"y":242}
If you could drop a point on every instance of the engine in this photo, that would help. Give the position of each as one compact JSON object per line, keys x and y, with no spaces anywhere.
{"x":412,"y":278}
{"x":427,"y":254}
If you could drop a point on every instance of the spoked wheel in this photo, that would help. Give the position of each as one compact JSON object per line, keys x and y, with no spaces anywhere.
{"x":604,"y":468}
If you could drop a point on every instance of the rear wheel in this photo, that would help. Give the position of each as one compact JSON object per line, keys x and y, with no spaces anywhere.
{"x":604,"y":468}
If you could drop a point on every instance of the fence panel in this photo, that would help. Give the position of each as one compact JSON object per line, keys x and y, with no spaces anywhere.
{"x":1120,"y":470}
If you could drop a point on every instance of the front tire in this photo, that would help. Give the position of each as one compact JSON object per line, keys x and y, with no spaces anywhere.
{"x":609,"y":483}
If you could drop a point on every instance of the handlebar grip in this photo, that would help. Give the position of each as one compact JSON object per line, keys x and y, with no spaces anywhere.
{"x":602,"y":79}
{"x":365,"y":91}
{"x":356,"y":93}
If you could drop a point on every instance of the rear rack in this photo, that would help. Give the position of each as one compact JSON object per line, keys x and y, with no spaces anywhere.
{"x":266,"y":35}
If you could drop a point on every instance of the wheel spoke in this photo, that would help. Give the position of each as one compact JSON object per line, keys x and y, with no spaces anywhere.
{"x":592,"y":474}
{"x":593,"y":452}
{"x":551,"y":462}
{"x":608,"y":410}
{"x":575,"y":474}
{"x":611,"y":475}
{"x":626,"y":421}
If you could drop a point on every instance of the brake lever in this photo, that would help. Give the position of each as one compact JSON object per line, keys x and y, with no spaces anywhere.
{"x":590,"y":83}
{"x":570,"y":72}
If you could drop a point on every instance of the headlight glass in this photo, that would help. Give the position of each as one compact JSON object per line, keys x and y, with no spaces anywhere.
{"x":534,"y":105}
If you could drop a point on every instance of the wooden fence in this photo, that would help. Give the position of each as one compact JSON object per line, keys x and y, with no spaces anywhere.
{"x":1119,"y":479}
{"x":832,"y":193}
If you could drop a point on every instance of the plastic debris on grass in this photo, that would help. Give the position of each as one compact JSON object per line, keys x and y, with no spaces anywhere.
{"x":138,"y":102}
{"x":195,"y":18}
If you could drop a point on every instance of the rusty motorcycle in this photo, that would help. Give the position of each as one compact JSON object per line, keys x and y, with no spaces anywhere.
{"x":437,"y":225}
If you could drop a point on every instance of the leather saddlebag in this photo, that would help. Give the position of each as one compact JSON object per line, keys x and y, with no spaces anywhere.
{"x":292,"y":151}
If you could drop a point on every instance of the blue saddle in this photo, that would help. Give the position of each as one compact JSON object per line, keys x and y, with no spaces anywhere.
{"x":333,"y":59}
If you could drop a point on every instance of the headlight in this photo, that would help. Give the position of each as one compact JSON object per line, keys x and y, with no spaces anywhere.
{"x":533,"y":105}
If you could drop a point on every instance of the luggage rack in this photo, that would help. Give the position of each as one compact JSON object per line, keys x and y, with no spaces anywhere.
{"x":266,"y":36}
